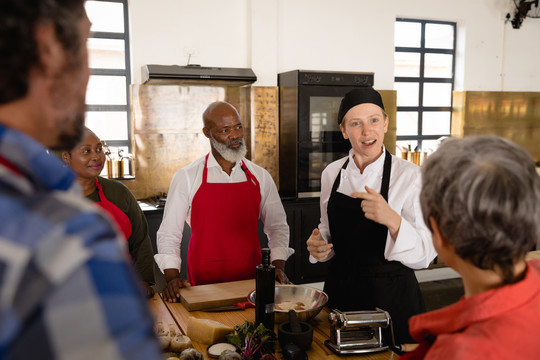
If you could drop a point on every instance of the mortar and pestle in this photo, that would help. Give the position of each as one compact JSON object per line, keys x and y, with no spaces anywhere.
{"x":295,"y":332}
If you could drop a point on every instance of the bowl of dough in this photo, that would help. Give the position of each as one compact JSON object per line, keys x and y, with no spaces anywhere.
{"x":305,"y":300}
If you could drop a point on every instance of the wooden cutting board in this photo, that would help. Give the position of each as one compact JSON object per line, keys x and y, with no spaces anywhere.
{"x":212,"y":295}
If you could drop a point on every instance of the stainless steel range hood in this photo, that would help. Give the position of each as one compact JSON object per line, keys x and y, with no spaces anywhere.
{"x":197,"y":75}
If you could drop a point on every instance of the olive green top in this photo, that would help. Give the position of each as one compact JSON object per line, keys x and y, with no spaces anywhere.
{"x":140,"y":247}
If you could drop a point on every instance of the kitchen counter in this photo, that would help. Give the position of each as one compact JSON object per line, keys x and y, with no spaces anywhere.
{"x":145,"y":206}
{"x":176,"y":314}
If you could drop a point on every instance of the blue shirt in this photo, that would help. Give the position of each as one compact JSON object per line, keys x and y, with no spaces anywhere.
{"x":67,"y":290}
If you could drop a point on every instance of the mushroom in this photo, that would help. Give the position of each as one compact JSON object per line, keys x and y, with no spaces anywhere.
{"x":163,"y":336}
{"x":179,"y":342}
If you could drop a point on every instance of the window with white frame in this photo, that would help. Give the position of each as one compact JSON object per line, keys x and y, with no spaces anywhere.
{"x":107,"y":96}
{"x":424,"y":62}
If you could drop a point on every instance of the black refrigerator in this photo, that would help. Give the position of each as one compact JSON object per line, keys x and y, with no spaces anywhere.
{"x":309,"y":136}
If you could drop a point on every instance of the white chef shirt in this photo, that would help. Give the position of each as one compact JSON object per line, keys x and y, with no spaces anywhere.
{"x":413,"y":246}
{"x":183,"y":188}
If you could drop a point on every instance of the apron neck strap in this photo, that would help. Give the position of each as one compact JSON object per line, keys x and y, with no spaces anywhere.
{"x":205,"y":171}
{"x":386,"y":175}
{"x":338,"y":177}
{"x":249,"y":175}
{"x":101,"y":195}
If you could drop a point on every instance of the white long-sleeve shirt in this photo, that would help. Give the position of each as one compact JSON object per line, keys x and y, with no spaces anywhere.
{"x":413,"y":246}
{"x":183,"y":188}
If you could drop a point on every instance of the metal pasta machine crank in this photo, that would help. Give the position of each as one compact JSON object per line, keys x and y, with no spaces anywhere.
{"x":358,"y":332}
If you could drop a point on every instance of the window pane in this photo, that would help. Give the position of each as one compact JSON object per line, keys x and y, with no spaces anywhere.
{"x":108,"y":125}
{"x":407,"y":34}
{"x":106,"y":16}
{"x":106,"y":53}
{"x":436,"y":123}
{"x":436,"y":94}
{"x":106,"y":90}
{"x":438,"y":65}
{"x":407,"y":123}
{"x":439,"y":36}
{"x":407,"y":64}
{"x":431,"y":145}
{"x":407,"y":93}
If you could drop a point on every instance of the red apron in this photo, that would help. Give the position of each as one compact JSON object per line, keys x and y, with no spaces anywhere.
{"x":120,"y":218}
{"x":224,"y":244}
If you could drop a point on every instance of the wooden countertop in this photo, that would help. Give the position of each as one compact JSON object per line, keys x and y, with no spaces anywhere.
{"x":176,"y":314}
{"x":169,"y":312}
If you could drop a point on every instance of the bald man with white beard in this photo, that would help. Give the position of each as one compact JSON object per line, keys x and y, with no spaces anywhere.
{"x":222,"y":196}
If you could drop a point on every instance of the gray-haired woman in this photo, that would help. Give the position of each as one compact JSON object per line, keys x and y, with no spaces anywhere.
{"x":481,"y":199}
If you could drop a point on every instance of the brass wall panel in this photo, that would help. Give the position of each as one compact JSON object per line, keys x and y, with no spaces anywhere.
{"x":389,"y":98}
{"x":240,"y":97}
{"x":265,"y":129}
{"x":512,"y":115}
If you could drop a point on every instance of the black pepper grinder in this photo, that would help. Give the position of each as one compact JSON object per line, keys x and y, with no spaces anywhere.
{"x":264,"y":291}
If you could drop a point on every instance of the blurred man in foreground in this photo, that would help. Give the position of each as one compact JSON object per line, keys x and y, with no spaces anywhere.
{"x":66,"y":289}
{"x":481,"y":199}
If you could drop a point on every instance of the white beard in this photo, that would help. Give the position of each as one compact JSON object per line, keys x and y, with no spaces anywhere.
{"x":231,"y":155}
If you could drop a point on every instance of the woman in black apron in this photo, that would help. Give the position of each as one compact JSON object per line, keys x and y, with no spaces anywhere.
{"x":360,"y":277}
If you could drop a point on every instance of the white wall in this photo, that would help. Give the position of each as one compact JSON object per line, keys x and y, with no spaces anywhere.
{"x":273,"y":36}
{"x":162,"y":29}
{"x":521,"y":63}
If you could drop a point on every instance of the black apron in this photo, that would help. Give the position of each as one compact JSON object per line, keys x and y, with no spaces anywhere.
{"x":359,"y":277}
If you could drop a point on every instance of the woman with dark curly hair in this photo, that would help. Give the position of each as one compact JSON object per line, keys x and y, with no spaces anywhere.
{"x":481,"y":200}
{"x":87,"y":159}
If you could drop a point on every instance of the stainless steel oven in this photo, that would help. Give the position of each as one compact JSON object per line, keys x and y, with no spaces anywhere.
{"x":309,"y":136}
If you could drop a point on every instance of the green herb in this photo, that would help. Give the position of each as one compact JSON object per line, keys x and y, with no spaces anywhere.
{"x":253,"y":341}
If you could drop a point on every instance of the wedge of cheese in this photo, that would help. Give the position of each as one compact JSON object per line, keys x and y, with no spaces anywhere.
{"x":207,"y":331}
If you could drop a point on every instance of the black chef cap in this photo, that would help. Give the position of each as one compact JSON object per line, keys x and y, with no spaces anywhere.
{"x":358,"y":96}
